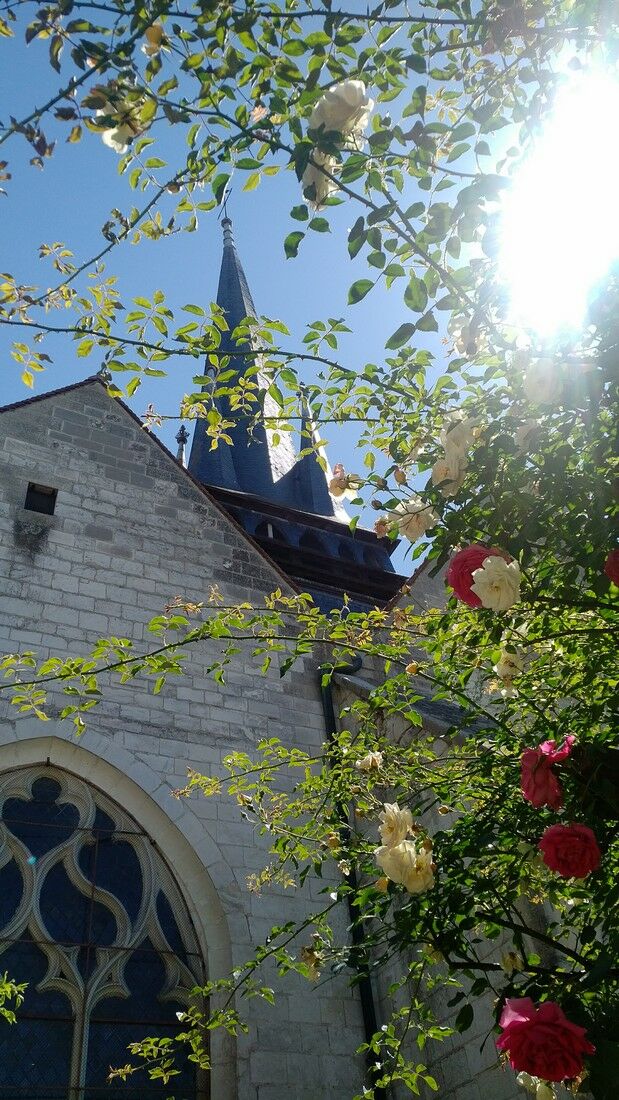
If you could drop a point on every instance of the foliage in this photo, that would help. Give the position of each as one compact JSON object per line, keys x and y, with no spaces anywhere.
{"x":539,"y":476}
{"x":10,"y":991}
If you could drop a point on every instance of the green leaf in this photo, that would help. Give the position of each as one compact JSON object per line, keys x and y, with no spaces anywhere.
{"x":320,"y":225}
{"x":252,"y":182}
{"x":291,"y":244}
{"x":300,"y":213}
{"x":400,"y":336}
{"x":416,"y":62}
{"x":464,"y":1019}
{"x":428,"y":322}
{"x":219,"y":184}
{"x":416,"y":294}
{"x":359,"y":290}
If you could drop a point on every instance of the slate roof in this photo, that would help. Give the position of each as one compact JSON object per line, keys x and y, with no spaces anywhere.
{"x":255,"y":463}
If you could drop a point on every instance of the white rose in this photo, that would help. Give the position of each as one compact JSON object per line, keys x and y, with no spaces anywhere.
{"x":414,"y":517}
{"x":396,"y":824}
{"x":523,"y":434}
{"x":314,"y":178}
{"x":345,"y":108}
{"x":509,"y":664}
{"x":497,"y":583}
{"x":449,"y":473}
{"x":407,"y":864}
{"x":119,"y":139}
{"x":512,"y":961}
{"x":521,"y":358}
{"x":542,"y":382}
{"x":372,"y":762}
{"x":458,"y":433}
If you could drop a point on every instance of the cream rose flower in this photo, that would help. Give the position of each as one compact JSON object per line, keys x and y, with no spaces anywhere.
{"x":154,"y":40}
{"x":315,"y":181}
{"x":373,"y":761}
{"x":449,"y":473}
{"x":408,"y":864}
{"x":120,"y":138}
{"x":458,"y":433}
{"x":512,"y":962}
{"x":414,"y":517}
{"x":497,"y":583}
{"x":509,"y":664}
{"x":346,"y":108}
{"x":396,"y":824}
{"x":542,"y":382}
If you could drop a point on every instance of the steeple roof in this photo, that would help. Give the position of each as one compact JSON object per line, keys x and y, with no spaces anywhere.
{"x":308,"y":480}
{"x":255,"y":463}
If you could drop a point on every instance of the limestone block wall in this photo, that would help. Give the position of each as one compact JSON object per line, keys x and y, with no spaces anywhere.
{"x":130,"y":532}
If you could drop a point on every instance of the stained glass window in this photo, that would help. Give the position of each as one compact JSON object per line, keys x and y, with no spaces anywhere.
{"x":91,"y":917}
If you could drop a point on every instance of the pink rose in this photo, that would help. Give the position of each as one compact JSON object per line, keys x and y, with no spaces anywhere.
{"x":570,"y":850}
{"x":463,"y":565}
{"x":542,"y":1041}
{"x":611,"y":566}
{"x":538,"y":782}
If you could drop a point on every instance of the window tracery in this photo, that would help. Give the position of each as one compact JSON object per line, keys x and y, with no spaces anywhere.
{"x":91,"y":917}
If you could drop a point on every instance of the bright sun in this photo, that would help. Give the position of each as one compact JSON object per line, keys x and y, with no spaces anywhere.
{"x":560,"y":223}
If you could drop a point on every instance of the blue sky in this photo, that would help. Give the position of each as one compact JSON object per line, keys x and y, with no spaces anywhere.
{"x":70,"y":199}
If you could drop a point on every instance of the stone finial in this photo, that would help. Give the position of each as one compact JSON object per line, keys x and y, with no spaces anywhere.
{"x":226,"y":225}
{"x":182,"y":437}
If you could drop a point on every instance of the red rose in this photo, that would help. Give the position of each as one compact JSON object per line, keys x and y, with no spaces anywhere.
{"x":570,"y":850}
{"x":538,"y":782}
{"x":542,"y":1041}
{"x":611,"y":566}
{"x":463,"y":565}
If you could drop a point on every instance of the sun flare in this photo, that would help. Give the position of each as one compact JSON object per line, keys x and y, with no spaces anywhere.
{"x":560,"y":222}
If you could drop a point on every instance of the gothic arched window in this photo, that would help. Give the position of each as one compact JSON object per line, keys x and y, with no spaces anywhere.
{"x":92,"y":919}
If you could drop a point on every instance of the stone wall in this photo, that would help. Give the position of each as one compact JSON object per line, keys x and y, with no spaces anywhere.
{"x":130,"y":532}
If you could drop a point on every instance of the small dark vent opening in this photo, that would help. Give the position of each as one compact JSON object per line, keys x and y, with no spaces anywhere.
{"x":40,"y":498}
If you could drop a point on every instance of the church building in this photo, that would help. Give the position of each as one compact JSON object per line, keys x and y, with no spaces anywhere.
{"x":116,"y":897}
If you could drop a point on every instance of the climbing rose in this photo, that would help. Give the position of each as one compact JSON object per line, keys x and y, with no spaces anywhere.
{"x":414,"y":517}
{"x":408,"y":864}
{"x":396,"y":824}
{"x":570,"y":850}
{"x":509,"y":665}
{"x":371,"y":762}
{"x":611,"y":566}
{"x":346,"y":108}
{"x":458,"y":433}
{"x":461,"y":568}
{"x":542,"y":382}
{"x":538,"y":782}
{"x":154,"y":40}
{"x":542,"y":1041}
{"x":497,"y":583}
{"x":316,"y":185}
{"x":449,"y":472}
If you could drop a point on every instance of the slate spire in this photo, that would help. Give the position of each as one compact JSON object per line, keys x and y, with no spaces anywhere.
{"x":254,"y":463}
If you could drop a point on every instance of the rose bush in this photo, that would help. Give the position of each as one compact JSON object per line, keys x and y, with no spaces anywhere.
{"x":570,"y":850}
{"x":408,"y":864}
{"x":541,"y":1041}
{"x":461,"y":568}
{"x":538,"y":782}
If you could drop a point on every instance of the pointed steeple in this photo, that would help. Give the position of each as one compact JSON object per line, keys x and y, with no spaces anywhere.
{"x":307,"y":484}
{"x":254,"y":463}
